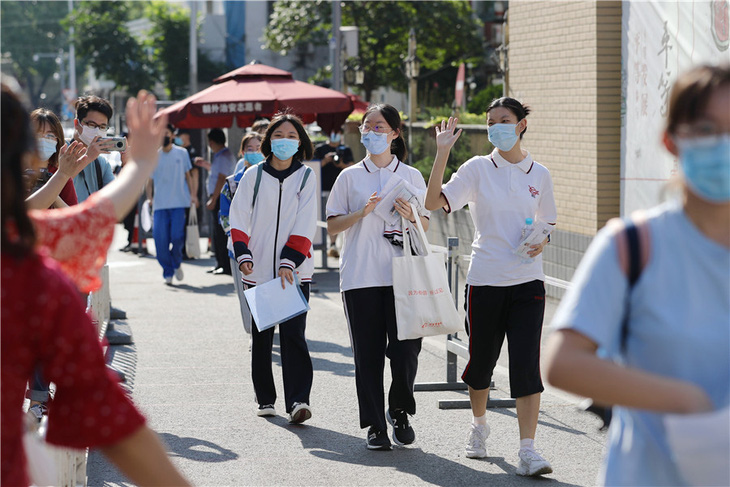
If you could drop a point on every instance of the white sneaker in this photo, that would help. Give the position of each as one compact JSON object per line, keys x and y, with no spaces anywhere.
{"x":300,"y":413}
{"x":168,"y":281}
{"x":532,"y":463}
{"x":266,"y":410}
{"x":476,"y":443}
{"x":179,"y":274}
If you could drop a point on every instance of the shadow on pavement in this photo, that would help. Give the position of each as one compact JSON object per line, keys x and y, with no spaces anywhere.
{"x":430,"y":468}
{"x":219,"y":289}
{"x":196,"y":449}
{"x":558,"y":425}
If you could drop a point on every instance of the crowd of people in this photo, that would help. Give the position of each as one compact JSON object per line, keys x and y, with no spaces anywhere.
{"x":613,"y":338}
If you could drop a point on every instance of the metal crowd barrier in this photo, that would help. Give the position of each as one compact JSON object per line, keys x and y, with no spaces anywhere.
{"x":455,"y":346}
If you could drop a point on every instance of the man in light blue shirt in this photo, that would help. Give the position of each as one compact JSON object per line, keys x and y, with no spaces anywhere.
{"x":172,"y":184}
{"x":91,"y":124}
{"x":222,"y":165}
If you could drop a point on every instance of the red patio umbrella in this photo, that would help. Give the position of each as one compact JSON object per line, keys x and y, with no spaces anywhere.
{"x":257,"y":90}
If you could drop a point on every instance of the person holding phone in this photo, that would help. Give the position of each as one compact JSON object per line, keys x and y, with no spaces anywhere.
{"x":273,"y":219}
{"x":90,"y":127}
{"x":366,"y":277}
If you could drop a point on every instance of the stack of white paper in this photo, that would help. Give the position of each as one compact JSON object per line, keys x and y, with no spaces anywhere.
{"x":271,"y":305}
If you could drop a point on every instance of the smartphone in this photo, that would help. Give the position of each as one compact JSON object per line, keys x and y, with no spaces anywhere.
{"x":120,"y":143}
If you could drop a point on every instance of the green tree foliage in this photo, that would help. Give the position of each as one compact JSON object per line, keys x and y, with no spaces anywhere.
{"x":481,"y":100}
{"x":102,"y":37}
{"x":446,"y":31}
{"x":28,"y":29}
{"x":169,"y":41}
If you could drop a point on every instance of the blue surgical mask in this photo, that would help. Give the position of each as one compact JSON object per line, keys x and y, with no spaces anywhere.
{"x":374,"y":142}
{"x":503,"y":136}
{"x":46,"y":148}
{"x":178,"y":141}
{"x":705,"y":162}
{"x":254,"y":158}
{"x":283,"y":149}
{"x":335,"y":137}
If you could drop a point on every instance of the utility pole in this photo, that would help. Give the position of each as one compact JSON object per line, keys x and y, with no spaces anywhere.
{"x":193,"y":54}
{"x":71,"y":56}
{"x":336,"y":46}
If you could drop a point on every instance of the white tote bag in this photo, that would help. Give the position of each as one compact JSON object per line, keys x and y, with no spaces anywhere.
{"x":423,"y":302}
{"x":192,"y":238}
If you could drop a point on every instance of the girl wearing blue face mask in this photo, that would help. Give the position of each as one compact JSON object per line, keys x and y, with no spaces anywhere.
{"x":505,"y":295}
{"x":273,"y":220}
{"x":50,"y":142}
{"x":366,"y":277}
{"x":670,"y":329}
{"x":251,"y":152}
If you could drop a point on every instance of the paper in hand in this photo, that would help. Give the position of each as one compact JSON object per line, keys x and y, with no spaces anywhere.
{"x":271,"y":305}
{"x":540,"y":231}
{"x":396,"y":187}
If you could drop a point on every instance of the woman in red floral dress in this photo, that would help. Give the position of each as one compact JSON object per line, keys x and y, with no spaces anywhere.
{"x":43,"y":319}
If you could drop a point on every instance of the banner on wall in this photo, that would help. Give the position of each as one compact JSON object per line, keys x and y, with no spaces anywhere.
{"x":659,"y":41}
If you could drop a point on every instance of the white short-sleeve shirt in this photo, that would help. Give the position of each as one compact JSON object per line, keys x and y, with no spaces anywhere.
{"x":367,"y":256}
{"x":501,"y":196}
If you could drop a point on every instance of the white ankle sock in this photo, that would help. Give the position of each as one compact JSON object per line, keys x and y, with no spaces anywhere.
{"x":528,"y":443}
{"x":480,"y":421}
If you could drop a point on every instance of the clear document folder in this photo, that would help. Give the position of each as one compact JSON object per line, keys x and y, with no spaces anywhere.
{"x":271,"y":305}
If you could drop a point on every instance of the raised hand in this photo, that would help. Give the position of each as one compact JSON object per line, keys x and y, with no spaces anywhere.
{"x":145,"y":130}
{"x":72,"y":159}
{"x":447,"y":134}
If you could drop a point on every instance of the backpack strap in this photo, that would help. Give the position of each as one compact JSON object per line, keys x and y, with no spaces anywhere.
{"x":99,"y":179}
{"x":259,"y":171}
{"x":633,"y":246}
{"x":307,"y":172}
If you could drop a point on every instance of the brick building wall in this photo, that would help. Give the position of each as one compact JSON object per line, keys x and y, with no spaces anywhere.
{"x":565,"y":63}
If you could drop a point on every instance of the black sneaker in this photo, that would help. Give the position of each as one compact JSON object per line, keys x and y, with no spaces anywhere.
{"x":378,"y":440}
{"x":403,"y":434}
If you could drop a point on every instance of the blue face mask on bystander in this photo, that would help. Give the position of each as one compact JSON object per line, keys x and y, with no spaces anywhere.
{"x":253,"y":158}
{"x":503,"y":136}
{"x":283,"y":149}
{"x":374,"y":142}
{"x":705,"y":162}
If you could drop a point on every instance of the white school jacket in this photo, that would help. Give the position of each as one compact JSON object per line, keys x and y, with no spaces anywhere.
{"x":275,"y":230}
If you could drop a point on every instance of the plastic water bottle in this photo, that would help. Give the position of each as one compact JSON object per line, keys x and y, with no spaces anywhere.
{"x":526,"y":231}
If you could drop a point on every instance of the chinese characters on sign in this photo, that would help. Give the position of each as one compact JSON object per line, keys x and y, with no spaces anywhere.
{"x":665,"y":80}
{"x":247,"y":107}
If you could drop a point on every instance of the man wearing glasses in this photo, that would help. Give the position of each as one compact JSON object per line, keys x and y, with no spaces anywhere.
{"x":91,"y":124}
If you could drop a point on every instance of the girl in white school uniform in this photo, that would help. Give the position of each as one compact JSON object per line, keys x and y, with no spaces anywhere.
{"x":504,"y":295}
{"x":273,"y":219}
{"x":366,"y":278}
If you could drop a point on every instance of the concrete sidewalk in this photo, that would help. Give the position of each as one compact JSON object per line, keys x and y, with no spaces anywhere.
{"x":189,"y":372}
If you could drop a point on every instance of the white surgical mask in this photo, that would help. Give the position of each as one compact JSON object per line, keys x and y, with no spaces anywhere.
{"x":88,"y":134}
{"x":46,"y":148}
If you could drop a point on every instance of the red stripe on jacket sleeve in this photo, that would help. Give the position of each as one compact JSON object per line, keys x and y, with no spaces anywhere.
{"x":239,"y":236}
{"x":300,"y":244}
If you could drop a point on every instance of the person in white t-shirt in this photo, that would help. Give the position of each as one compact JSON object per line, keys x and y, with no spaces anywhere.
{"x":660,"y":347}
{"x":505,"y":293}
{"x":366,"y":277}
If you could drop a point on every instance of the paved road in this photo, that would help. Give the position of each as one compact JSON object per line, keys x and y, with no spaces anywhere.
{"x":189,"y":372}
